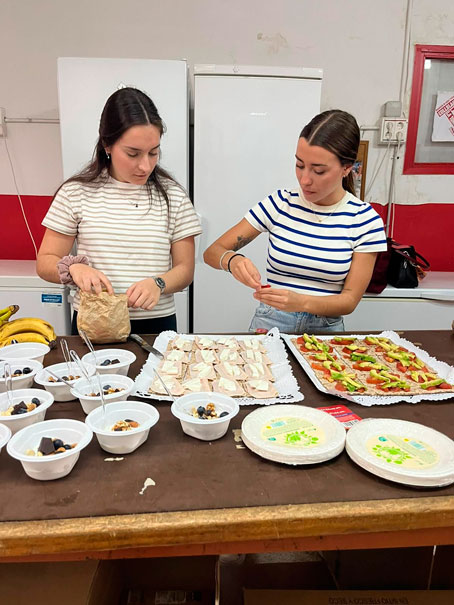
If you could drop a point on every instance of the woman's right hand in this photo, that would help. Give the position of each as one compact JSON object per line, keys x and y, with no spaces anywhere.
{"x":244,"y":270}
{"x":89,"y":279}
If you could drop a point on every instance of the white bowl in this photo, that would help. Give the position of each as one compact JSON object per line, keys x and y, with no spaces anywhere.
{"x":5,"y":435}
{"x":20,"y":382}
{"x":25,"y":350}
{"x":122,"y":442}
{"x":19,"y":421}
{"x":60,"y":390}
{"x":207,"y":430}
{"x":82,"y":387}
{"x":126,"y":359}
{"x":49,"y":467}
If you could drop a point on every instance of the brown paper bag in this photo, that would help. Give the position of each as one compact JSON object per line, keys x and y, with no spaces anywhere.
{"x":104,"y":317}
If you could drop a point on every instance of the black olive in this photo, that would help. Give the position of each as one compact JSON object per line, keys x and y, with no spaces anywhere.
{"x":115,"y":361}
{"x":27,"y":370}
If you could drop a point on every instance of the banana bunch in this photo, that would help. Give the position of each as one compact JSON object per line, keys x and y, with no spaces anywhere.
{"x":27,"y":329}
{"x":6,"y":313}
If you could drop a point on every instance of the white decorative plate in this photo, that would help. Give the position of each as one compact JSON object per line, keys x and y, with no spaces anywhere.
{"x":402,"y":451}
{"x":293,"y":434}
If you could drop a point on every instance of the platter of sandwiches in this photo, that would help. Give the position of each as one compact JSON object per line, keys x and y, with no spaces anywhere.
{"x":254,"y":369}
{"x":373,"y":369}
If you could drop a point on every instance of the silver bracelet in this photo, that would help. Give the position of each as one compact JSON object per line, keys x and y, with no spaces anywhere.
{"x":222,"y":258}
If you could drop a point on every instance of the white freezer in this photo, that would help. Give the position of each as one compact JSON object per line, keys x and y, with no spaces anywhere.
{"x":246,"y":126}
{"x":20,"y":285}
{"x":430,"y":306}
{"x":84,"y":84}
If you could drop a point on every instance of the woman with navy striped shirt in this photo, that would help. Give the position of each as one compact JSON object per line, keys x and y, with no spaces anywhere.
{"x":322,"y":239}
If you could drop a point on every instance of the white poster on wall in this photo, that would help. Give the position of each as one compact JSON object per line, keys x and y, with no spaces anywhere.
{"x":443,"y":129}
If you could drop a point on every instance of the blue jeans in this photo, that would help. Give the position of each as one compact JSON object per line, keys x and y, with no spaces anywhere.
{"x":298,"y":322}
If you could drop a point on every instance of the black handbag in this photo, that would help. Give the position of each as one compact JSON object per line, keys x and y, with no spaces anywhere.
{"x":404,"y":265}
{"x":398,"y":266}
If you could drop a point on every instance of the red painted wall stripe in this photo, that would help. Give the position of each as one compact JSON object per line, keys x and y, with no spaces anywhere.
{"x":428,"y":227}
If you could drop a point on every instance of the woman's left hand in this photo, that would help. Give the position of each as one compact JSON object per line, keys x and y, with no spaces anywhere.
{"x":143,"y":294}
{"x":284,"y":300}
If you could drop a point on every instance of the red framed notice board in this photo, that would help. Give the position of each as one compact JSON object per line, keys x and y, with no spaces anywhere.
{"x":430,"y":138}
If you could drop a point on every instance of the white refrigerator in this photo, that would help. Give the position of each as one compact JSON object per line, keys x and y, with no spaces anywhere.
{"x":84,"y":84}
{"x":247,"y":121}
{"x":20,"y":285}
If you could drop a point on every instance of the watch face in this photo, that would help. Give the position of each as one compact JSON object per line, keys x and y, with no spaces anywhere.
{"x":160,"y":283}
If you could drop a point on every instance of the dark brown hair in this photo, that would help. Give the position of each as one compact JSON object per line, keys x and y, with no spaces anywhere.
{"x":125,"y":108}
{"x":338,"y":132}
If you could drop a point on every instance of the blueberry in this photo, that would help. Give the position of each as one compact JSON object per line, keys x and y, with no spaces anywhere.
{"x":19,"y":411}
{"x":128,"y":420}
{"x":200,"y":410}
{"x":107,"y":386}
{"x":64,"y":378}
{"x":222,"y":414}
{"x":58,"y":443}
{"x":26,"y":370}
{"x":17,"y":372}
{"x":36,"y":400}
{"x":67,"y":446}
{"x":106,"y":362}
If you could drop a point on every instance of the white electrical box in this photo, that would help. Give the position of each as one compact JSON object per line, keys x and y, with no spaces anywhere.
{"x":393,"y":130}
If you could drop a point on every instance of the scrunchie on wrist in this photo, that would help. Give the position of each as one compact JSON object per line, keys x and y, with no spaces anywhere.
{"x":64,"y":264}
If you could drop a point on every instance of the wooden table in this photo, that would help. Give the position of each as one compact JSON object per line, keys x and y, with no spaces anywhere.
{"x":218,"y":497}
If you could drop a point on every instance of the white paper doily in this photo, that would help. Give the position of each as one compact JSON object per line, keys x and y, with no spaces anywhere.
{"x":401,"y":437}
{"x":443,"y":369}
{"x":285,"y":383}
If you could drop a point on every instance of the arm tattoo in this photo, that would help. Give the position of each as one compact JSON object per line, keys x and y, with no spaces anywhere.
{"x":241,"y":242}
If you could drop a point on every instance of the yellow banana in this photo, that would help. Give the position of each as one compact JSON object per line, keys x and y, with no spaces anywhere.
{"x":6,"y":313}
{"x":27,"y":324}
{"x":26,"y":337}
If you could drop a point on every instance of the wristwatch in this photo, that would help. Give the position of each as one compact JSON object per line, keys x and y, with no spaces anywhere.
{"x":160,"y":283}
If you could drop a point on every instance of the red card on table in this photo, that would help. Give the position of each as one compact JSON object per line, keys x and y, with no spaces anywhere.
{"x":342,"y":413}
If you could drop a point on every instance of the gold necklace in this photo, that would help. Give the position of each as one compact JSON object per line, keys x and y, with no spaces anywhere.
{"x":315,"y":213}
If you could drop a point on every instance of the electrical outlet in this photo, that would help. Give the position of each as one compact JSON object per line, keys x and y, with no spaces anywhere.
{"x":2,"y":122}
{"x":393,"y":130}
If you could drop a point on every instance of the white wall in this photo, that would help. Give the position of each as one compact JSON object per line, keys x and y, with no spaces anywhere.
{"x":359,"y":45}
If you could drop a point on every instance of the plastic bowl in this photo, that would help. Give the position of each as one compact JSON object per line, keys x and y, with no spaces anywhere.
{"x":122,"y":442}
{"x":21,"y":382}
{"x":25,"y":350}
{"x":60,"y":390}
{"x":5,"y":435}
{"x":207,"y":430}
{"x":82,"y":387}
{"x":126,"y":359}
{"x":19,"y":421}
{"x":45,"y":468}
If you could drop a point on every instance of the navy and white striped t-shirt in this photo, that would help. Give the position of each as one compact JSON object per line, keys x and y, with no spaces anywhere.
{"x":314,"y":257}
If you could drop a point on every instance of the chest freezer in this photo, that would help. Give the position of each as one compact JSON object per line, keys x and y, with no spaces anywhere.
{"x":430,"y":306}
{"x":20,"y":285}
